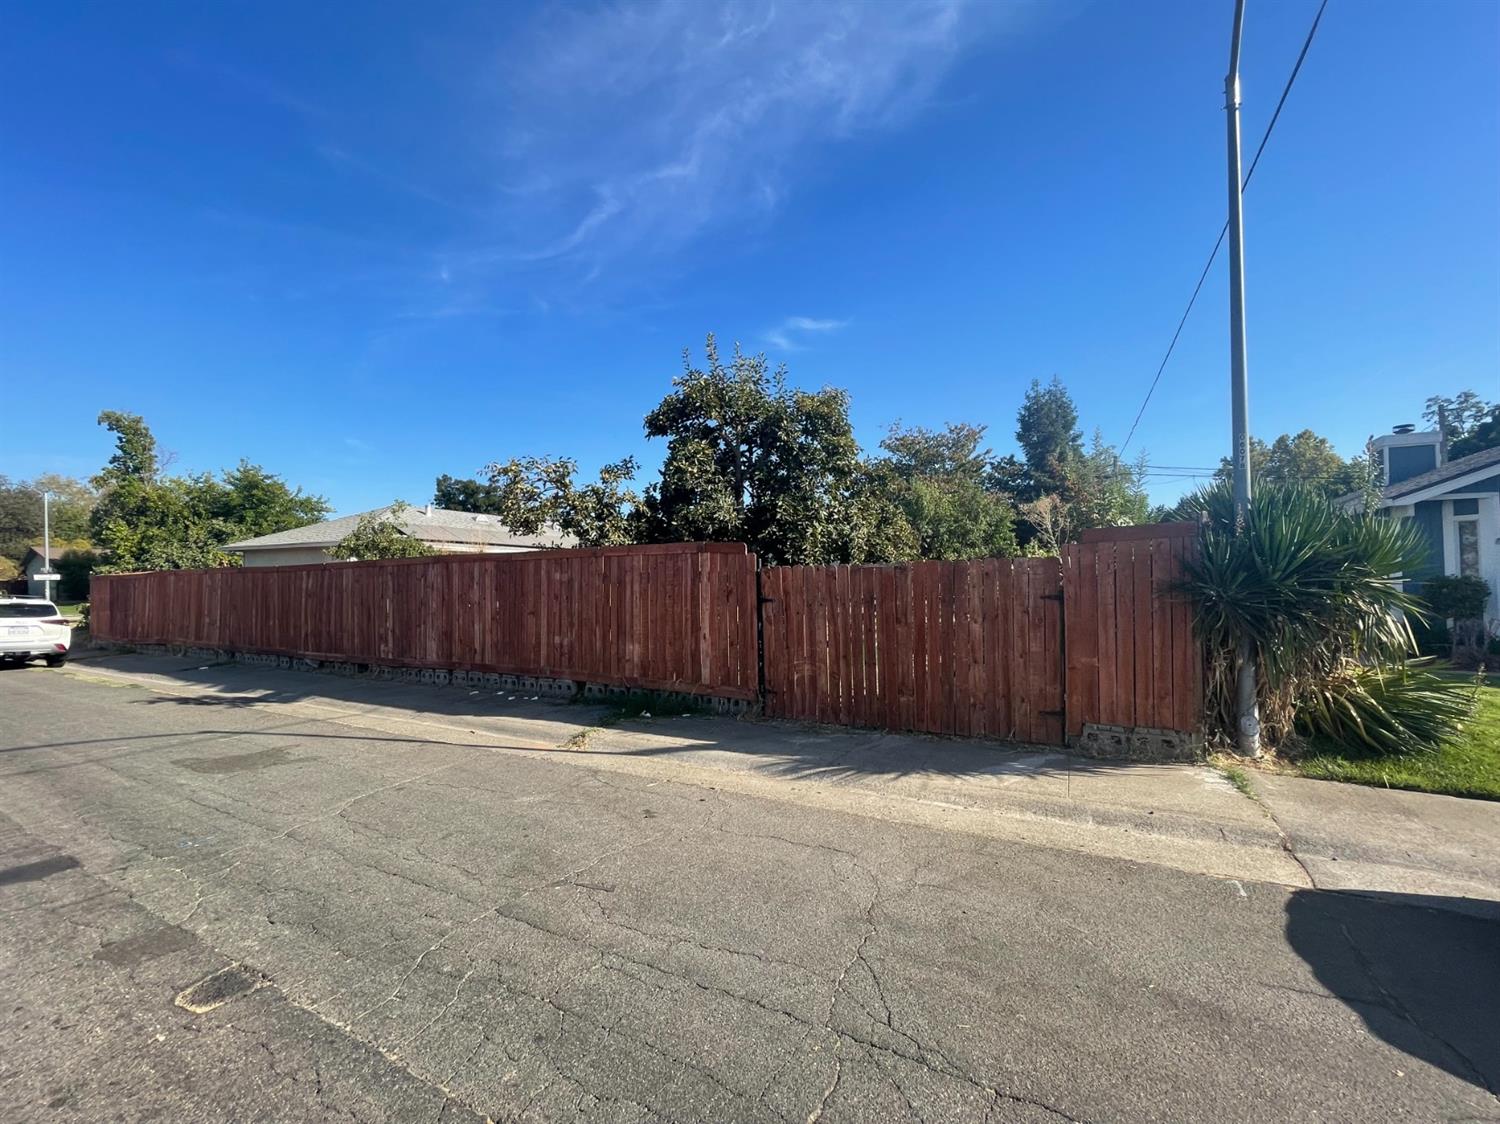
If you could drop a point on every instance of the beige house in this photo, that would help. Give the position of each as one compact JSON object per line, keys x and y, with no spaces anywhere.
{"x":450,"y":532}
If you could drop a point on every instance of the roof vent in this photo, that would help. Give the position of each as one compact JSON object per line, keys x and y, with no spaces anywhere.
{"x":429,"y":509}
{"x":481,"y":518}
{"x":1404,"y":427}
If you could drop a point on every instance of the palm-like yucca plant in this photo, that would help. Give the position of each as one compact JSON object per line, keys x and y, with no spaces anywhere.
{"x":1310,"y":587}
{"x":1384,"y":710}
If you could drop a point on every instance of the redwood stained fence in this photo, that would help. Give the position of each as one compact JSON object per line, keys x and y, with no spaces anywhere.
{"x":672,"y":617}
{"x":1028,"y":649}
{"x":971,"y":648}
{"x":1132,"y":658}
{"x":1031,"y":649}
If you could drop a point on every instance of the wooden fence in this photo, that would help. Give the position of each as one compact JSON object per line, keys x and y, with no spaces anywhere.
{"x":1132,"y":658}
{"x":674,"y":617}
{"x":970,"y":648}
{"x":1027,"y":649}
{"x":1031,"y":649}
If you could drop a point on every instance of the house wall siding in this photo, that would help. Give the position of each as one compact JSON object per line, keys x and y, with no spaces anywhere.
{"x":286,"y":556}
{"x":308,"y":555}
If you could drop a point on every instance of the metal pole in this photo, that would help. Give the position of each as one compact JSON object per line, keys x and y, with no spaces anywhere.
{"x":1247,"y":708}
{"x":47,"y":543}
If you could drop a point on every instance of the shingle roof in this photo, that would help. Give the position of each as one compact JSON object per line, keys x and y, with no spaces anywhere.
{"x":434,"y":525}
{"x":1450,"y":471}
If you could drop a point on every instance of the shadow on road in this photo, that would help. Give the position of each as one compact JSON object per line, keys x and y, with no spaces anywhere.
{"x":779,"y":748}
{"x":1423,"y":978}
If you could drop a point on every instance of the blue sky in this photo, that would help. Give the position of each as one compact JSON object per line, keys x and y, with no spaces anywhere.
{"x":367,"y":244}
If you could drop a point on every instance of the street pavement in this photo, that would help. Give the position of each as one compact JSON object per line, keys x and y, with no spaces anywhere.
{"x":293,"y":899}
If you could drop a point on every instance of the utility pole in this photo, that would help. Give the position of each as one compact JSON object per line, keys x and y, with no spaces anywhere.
{"x":1247,"y":708}
{"x":47,"y":542}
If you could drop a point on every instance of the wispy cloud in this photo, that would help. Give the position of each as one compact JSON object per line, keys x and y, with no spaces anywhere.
{"x":634,"y":129}
{"x":792,"y":333}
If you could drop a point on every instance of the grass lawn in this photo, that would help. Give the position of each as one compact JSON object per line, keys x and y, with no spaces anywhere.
{"x":1468,"y":767}
{"x":73,"y":610}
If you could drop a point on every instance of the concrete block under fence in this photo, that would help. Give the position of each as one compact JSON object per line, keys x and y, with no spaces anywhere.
{"x":1137,"y":743}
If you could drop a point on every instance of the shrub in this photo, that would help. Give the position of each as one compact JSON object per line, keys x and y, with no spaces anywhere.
{"x":74,"y":568}
{"x":378,"y":535}
{"x":1456,"y":599}
{"x":1462,"y":601}
{"x":1307,"y":586}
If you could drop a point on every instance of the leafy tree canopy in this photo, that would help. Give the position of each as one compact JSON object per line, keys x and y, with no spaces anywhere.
{"x":938,"y":480}
{"x":1303,"y":458}
{"x":1096,"y":490}
{"x":146,"y":521}
{"x":753,"y":460}
{"x":21,"y":521}
{"x":750,"y":458}
{"x":529,"y":494}
{"x":1473,"y":425}
{"x":1047,"y":430}
{"x":378,"y":534}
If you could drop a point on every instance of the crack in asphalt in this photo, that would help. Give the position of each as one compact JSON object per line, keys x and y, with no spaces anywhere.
{"x":1393,"y":1004}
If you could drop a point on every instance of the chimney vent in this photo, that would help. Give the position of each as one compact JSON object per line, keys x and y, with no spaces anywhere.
{"x":429,"y":506}
{"x":1404,"y":427}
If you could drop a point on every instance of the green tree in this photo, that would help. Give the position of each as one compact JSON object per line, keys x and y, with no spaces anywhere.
{"x":247,"y":501}
{"x":1096,"y":490}
{"x":1303,"y":458}
{"x":378,"y":534}
{"x":1460,"y":415}
{"x":134,"y":458}
{"x":1047,"y":430}
{"x":753,"y":460}
{"x":937,"y":478}
{"x":145,"y":521}
{"x":453,"y":493}
{"x":530,"y":494}
{"x":21,"y":522}
{"x":75,"y":566}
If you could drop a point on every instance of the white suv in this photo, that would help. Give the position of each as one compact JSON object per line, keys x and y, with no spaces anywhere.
{"x":31,"y":628}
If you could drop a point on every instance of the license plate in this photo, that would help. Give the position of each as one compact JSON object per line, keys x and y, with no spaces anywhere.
{"x":17,"y":630}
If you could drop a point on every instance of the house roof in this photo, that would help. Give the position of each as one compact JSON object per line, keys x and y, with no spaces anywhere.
{"x":1453,"y":470}
{"x":428,"y":524}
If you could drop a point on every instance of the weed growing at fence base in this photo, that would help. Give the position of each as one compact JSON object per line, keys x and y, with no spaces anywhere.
{"x":1236,"y":776}
{"x":637,"y":704}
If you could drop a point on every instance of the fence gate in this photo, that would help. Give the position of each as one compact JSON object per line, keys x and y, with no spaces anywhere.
{"x":971,"y":648}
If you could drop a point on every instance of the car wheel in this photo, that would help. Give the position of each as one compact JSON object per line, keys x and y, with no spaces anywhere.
{"x":56,"y":661}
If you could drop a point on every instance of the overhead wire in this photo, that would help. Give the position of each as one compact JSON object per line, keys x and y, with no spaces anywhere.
{"x":1202,"y":277}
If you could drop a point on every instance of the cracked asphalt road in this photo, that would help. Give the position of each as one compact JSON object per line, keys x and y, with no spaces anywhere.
{"x":425,"y":930}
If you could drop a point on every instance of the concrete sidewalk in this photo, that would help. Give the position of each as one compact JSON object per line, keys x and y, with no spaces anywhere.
{"x":1352,"y":837}
{"x":1297,"y":832}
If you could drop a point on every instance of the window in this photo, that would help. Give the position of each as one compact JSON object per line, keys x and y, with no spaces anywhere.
{"x":27,"y":609}
{"x":1468,"y":548}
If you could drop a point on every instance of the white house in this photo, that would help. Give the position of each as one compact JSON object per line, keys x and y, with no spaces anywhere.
{"x":449,"y":532}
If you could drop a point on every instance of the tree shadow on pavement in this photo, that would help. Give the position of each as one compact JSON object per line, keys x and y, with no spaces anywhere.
{"x":1423,"y":978}
{"x":804,"y":752}
{"x":793,"y":750}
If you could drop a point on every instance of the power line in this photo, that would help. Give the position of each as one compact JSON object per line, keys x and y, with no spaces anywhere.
{"x":1202,"y":277}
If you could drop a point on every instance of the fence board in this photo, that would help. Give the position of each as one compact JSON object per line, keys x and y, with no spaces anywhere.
{"x":1131,"y":656}
{"x":619,"y":616}
{"x":917,"y":647}
{"x":979,"y":648}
